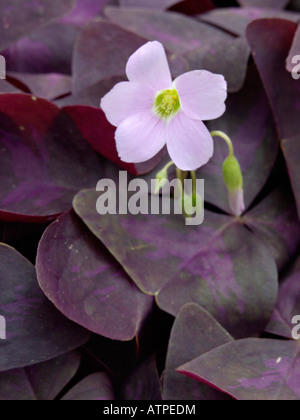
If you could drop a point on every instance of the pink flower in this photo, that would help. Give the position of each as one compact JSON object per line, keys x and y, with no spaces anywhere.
{"x":151,"y":111}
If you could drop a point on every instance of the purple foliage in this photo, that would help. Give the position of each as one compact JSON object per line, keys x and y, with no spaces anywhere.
{"x":142,"y":307}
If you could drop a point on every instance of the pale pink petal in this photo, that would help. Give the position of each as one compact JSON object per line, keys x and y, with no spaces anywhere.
{"x":236,"y":202}
{"x":202,"y":94}
{"x":189,"y":142}
{"x":126,"y":99}
{"x":149,"y":66}
{"x":140,"y":137}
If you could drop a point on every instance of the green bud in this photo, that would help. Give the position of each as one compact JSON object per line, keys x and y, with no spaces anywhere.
{"x":232,"y":174}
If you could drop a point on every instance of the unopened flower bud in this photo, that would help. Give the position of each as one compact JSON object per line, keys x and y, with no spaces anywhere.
{"x":234,"y":182}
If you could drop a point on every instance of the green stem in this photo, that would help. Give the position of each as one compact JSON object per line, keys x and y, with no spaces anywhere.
{"x":194,"y":178}
{"x":226,"y":138}
{"x":168,"y":165}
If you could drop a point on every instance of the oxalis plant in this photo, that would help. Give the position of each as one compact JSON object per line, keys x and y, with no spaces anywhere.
{"x":150,"y":245}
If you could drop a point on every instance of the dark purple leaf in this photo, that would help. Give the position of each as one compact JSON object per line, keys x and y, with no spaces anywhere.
{"x":84,"y":11}
{"x":45,"y":159}
{"x":86,"y":284}
{"x":185,"y":6}
{"x":194,"y":333}
{"x":93,"y":388}
{"x":233,"y":65}
{"x":270,"y":41}
{"x":290,"y":148}
{"x":114,"y":46}
{"x":179,"y":264}
{"x":177,"y":32}
{"x":241,"y":296}
{"x":6,"y":87}
{"x":39,"y":382}
{"x":90,"y":96}
{"x":47,"y":86}
{"x":288,"y":304}
{"x":48,"y":50}
{"x":144,"y":383}
{"x":251,"y":369}
{"x":192,"y":7}
{"x":35,"y":330}
{"x":276,"y":222}
{"x":148,"y":4}
{"x":294,"y":51}
{"x":19,"y":18}
{"x":272,"y":4}
{"x":249,"y":123}
{"x":235,"y":19}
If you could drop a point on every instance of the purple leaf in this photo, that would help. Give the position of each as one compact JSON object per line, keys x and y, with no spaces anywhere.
{"x":149,"y":4}
{"x":251,"y":369}
{"x":235,"y":19}
{"x":91,"y":95}
{"x":48,"y":50}
{"x":288,"y":304}
{"x":270,"y":41}
{"x":84,"y":11}
{"x":144,"y":383}
{"x":19,"y":18}
{"x":249,"y":123}
{"x":39,"y":382}
{"x":7,"y":87}
{"x":179,"y":264}
{"x":275,"y":221}
{"x":114,"y":47}
{"x":185,"y":6}
{"x":290,"y":148}
{"x":35,"y":330}
{"x":86,"y":284}
{"x":45,"y":159}
{"x":178,"y":33}
{"x":47,"y":86}
{"x":192,"y":7}
{"x":194,"y":333}
{"x":92,"y":388}
{"x":233,"y":65}
{"x":272,"y":4}
{"x":294,"y":51}
{"x":283,"y":91}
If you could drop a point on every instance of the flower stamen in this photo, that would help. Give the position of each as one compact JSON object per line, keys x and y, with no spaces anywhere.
{"x":166,"y":104}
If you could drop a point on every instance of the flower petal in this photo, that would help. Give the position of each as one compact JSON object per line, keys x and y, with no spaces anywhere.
{"x":236,"y":202}
{"x":202,"y":94}
{"x":126,"y":99}
{"x":140,"y":137}
{"x":149,"y":66}
{"x":189,"y":142}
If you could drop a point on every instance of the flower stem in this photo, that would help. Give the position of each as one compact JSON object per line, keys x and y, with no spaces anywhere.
{"x":226,"y":138}
{"x":194,"y":178}
{"x":168,"y":165}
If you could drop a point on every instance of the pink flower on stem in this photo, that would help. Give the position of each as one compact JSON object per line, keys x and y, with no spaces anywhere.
{"x":151,"y":111}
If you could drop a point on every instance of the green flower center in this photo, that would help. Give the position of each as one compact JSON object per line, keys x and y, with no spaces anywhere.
{"x":166,"y":104}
